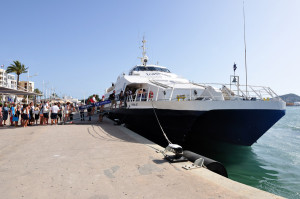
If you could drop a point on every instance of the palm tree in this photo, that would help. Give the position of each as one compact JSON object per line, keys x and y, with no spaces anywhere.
{"x":36,"y":90}
{"x":17,"y":68}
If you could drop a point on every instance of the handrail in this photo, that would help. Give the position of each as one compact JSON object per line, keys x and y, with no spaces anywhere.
{"x":237,"y":92}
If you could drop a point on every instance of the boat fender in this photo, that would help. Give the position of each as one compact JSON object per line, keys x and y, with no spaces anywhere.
{"x":210,"y":164}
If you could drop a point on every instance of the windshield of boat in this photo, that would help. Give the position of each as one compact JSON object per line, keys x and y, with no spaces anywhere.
{"x":150,"y":68}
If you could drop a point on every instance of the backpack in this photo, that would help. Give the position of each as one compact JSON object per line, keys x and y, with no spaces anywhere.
{"x":111,"y":96}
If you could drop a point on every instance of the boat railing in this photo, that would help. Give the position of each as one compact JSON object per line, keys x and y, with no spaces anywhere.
{"x":211,"y":91}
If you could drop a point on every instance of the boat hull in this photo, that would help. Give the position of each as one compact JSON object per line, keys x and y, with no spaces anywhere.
{"x":188,"y":128}
{"x":242,"y":127}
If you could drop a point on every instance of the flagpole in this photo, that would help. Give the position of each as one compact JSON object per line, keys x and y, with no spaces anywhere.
{"x":245,"y":51}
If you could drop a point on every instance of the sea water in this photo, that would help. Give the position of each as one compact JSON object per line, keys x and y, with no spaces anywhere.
{"x":273,"y":163}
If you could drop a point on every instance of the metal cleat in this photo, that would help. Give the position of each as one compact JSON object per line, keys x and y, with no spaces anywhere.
{"x":197,"y":164}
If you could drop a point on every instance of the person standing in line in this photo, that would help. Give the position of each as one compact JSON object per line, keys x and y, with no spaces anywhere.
{"x":28,"y":106}
{"x":127,"y":94}
{"x":93,"y":101}
{"x":100,"y":119}
{"x":25,"y":115}
{"x":41,"y":114}
{"x":46,"y":113}
{"x":81,"y":114}
{"x":22,"y":115}
{"x":31,"y":115}
{"x":121,"y":98}
{"x":102,"y":106}
{"x":72,"y":110}
{"x":15,"y":114}
{"x":76,"y":107}
{"x":60,"y":112}
{"x":1,"y":115}
{"x":89,"y":110}
{"x":18,"y":112}
{"x":5,"y":113}
{"x":94,"y":98}
{"x":112,"y":98}
{"x":36,"y":114}
{"x":11,"y":114}
{"x":66,"y":111}
{"x":54,"y":111}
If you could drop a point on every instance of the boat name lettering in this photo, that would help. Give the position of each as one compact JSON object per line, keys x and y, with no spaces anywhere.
{"x":152,"y":74}
{"x":134,"y":104}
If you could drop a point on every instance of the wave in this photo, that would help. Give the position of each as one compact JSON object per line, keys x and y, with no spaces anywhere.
{"x":293,"y":127}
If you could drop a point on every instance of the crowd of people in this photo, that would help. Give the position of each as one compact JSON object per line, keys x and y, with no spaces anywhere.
{"x":140,"y":95}
{"x":33,"y":114}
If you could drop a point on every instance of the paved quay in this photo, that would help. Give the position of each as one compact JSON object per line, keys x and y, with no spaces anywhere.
{"x":100,"y":161}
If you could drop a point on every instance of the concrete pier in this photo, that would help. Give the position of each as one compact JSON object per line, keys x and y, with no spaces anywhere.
{"x":100,"y":161}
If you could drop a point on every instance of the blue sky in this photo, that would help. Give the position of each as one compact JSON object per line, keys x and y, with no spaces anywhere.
{"x":80,"y":47}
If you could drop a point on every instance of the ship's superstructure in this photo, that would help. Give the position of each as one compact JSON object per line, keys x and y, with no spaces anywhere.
{"x":189,"y":111}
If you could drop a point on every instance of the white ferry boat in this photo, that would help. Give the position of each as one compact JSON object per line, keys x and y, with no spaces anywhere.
{"x":189,"y":111}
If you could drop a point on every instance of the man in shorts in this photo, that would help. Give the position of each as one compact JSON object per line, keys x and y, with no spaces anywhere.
{"x":54,"y":111}
{"x":112,"y":98}
{"x":46,"y":113}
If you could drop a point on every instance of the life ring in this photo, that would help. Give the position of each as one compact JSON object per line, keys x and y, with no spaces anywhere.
{"x":150,"y":95}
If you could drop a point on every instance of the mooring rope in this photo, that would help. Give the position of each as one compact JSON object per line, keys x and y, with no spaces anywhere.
{"x":160,"y":124}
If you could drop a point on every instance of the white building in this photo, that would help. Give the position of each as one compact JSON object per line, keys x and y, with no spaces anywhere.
{"x":7,"y":80}
{"x":26,"y":85}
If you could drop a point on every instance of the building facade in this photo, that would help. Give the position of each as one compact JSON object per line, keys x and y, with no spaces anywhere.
{"x":7,"y":80}
{"x":27,"y":86}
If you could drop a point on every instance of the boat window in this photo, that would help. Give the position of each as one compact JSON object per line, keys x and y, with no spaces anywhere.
{"x":150,"y":68}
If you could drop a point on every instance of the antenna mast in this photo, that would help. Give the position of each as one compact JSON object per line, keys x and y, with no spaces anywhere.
{"x":144,"y":59}
{"x":144,"y":47}
{"x":245,"y":51}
